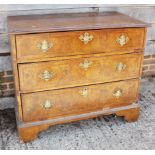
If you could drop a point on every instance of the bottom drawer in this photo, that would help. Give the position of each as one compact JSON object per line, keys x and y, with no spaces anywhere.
{"x":71,"y":101}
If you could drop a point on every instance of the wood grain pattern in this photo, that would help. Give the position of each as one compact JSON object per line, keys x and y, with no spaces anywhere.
{"x":68,"y":43}
{"x":144,"y":13}
{"x":18,"y":105}
{"x":142,"y":60}
{"x":70,"y":101}
{"x":80,"y":81}
{"x":29,"y":131}
{"x":41,"y":59}
{"x":130,"y":115}
{"x":74,"y":21}
{"x":69,"y":73}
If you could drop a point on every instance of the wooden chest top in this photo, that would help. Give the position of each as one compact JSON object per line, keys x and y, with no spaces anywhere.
{"x":68,"y":22}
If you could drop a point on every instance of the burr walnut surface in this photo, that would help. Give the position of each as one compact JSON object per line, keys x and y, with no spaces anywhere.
{"x":70,"y":67}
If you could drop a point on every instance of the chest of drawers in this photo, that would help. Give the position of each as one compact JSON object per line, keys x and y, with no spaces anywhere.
{"x":69,"y":67}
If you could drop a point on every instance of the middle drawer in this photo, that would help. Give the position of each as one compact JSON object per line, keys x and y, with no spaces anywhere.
{"x":77,"y":72}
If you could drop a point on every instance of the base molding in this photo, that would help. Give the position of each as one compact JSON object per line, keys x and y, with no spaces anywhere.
{"x":130,"y":115}
{"x":29,"y":131}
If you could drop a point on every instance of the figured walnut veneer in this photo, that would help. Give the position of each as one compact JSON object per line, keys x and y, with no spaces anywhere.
{"x":69,"y":67}
{"x":103,"y":41}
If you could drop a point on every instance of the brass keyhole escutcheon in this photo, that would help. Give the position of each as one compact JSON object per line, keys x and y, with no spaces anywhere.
{"x":84,"y":92}
{"x":122,"y":40}
{"x":86,"y":38}
{"x":120,"y":67}
{"x":86,"y":64}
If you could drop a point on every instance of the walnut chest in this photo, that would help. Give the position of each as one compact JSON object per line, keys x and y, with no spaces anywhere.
{"x":69,"y":67}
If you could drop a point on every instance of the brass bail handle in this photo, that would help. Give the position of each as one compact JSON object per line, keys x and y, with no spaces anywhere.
{"x":118,"y":93}
{"x":46,"y":75}
{"x":44,"y":45}
{"x":47,"y":104}
{"x":120,"y":67}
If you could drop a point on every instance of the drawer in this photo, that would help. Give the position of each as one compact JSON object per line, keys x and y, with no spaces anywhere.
{"x":77,"y":72}
{"x":77,"y":100}
{"x":45,"y":45}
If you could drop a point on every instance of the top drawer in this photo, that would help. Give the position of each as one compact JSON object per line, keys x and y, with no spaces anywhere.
{"x":45,"y":45}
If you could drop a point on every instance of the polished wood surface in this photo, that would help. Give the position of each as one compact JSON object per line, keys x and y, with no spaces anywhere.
{"x":127,"y":51}
{"x":18,"y":107}
{"x":131,"y":115}
{"x":29,"y":131}
{"x":70,"y":21}
{"x":68,"y":43}
{"x":72,"y":101}
{"x":70,"y":73}
{"x":62,"y":76}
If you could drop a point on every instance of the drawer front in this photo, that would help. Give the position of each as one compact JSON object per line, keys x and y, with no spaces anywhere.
{"x":77,"y":100}
{"x":44,"y":45}
{"x":77,"y":72}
